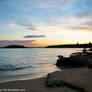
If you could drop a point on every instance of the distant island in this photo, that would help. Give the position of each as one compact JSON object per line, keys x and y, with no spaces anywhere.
{"x":15,"y":46}
{"x":71,"y":46}
{"x":18,"y":46}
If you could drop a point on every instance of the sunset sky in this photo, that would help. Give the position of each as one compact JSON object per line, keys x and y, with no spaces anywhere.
{"x":45,"y":22}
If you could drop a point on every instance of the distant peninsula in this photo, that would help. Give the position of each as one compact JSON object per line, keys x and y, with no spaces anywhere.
{"x":15,"y":46}
{"x":71,"y":46}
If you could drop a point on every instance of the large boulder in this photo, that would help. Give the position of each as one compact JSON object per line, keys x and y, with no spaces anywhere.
{"x":72,"y":61}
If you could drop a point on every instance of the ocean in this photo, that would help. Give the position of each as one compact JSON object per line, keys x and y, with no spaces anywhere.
{"x":30,"y":63}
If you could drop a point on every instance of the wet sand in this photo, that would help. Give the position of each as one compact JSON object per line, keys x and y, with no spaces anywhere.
{"x":79,"y":76}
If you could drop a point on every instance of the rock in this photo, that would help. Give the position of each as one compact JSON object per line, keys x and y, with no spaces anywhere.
{"x":62,"y":61}
{"x":78,"y":60}
{"x":78,"y":79}
{"x":89,"y":65}
{"x":73,"y":61}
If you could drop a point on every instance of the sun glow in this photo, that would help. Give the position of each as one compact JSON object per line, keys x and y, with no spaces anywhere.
{"x":43,"y":43}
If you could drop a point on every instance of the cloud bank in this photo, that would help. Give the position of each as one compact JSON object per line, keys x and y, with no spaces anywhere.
{"x":73,"y":14}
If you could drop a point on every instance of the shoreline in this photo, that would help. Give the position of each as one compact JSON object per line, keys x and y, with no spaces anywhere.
{"x":38,"y":84}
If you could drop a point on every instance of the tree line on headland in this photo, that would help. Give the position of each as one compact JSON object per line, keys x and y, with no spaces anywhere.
{"x":89,"y":45}
{"x":14,"y":46}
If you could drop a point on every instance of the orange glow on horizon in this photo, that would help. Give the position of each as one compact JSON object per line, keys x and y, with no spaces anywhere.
{"x":42,"y":43}
{"x":48,"y":43}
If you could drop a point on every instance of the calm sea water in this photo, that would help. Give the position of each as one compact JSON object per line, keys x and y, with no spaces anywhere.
{"x":29,"y":63}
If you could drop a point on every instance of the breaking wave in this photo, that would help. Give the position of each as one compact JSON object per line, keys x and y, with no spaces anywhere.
{"x":12,"y":67}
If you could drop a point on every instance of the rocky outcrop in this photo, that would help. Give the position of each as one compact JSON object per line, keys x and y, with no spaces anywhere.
{"x":76,"y":60}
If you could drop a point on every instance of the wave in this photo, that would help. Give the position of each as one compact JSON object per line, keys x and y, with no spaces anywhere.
{"x":12,"y":67}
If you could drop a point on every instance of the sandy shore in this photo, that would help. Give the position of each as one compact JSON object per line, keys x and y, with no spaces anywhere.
{"x":79,"y":76}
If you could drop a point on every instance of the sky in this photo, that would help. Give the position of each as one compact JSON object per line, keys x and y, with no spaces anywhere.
{"x":45,"y":22}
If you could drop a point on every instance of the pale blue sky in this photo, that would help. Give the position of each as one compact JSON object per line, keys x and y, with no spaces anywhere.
{"x":60,"y":21}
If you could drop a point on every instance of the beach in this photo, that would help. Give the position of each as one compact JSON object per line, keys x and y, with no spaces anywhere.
{"x":76,"y":76}
{"x":45,"y":45}
{"x":73,"y":77}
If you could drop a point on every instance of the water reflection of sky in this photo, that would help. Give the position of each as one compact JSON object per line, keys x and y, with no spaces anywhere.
{"x":30,"y":63}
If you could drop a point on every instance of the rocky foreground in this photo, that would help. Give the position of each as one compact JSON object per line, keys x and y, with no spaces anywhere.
{"x":77,"y":79}
{"x":77,"y":72}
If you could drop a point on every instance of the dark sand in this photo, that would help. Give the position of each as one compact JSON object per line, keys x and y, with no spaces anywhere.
{"x":79,"y":76}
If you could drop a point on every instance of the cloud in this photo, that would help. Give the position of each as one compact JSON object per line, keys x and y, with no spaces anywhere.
{"x":11,"y":26}
{"x":15,"y":42}
{"x":26,"y":5}
{"x":34,"y":36}
{"x":80,"y":19}
{"x":83,"y":23}
{"x":69,"y":23}
{"x":73,"y":22}
{"x":31,"y":27}
{"x":55,"y":3}
{"x":79,"y":28}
